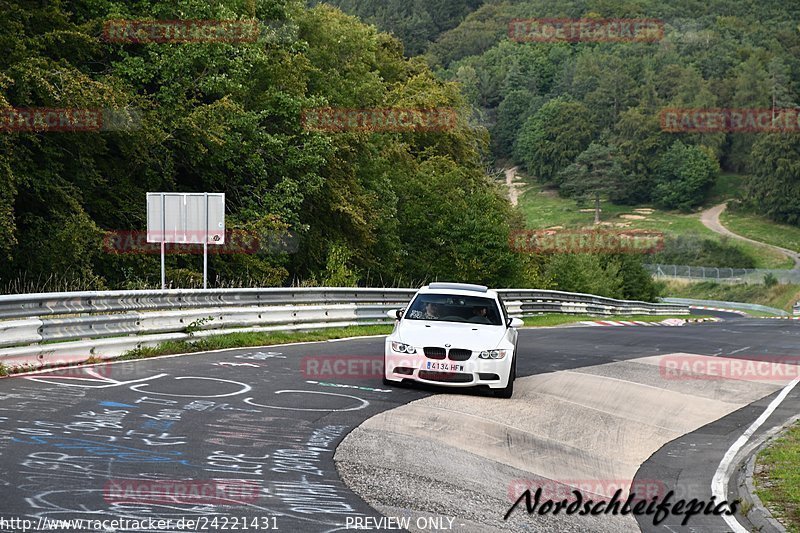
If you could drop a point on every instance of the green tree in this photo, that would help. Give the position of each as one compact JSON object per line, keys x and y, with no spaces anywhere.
{"x":611,"y":275}
{"x":751,"y":90}
{"x":595,"y":173}
{"x":512,"y":113}
{"x":684,"y":176}
{"x":455,"y":225}
{"x":640,"y":142}
{"x":553,"y":137}
{"x":603,"y":82}
{"x":774,"y":187}
{"x":587,"y":273}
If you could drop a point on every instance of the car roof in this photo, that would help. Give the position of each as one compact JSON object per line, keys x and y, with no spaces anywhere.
{"x":460,"y":289}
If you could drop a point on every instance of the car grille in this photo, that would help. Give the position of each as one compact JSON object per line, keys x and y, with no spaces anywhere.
{"x":435,"y":352}
{"x":460,"y":355}
{"x":445,"y":377}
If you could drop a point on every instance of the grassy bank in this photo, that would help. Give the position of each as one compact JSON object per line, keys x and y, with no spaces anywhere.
{"x":245,"y":339}
{"x":726,"y":187}
{"x":762,"y":229}
{"x":777,"y":478}
{"x":229,"y":341}
{"x":780,"y":296}
{"x":543,"y":208}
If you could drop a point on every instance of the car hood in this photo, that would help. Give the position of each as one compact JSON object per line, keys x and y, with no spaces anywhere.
{"x":423,"y":333}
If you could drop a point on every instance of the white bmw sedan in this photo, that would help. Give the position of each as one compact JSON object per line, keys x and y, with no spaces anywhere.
{"x":454,"y":335}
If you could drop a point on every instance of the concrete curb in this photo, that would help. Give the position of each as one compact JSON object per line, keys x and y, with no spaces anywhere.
{"x":758,"y":516}
{"x":724,"y":306}
{"x":677,"y":322}
{"x":723,"y":309}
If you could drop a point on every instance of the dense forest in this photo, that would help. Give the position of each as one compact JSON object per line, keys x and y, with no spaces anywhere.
{"x":365,"y":208}
{"x":416,"y":23}
{"x":380,"y":208}
{"x":555,"y":108}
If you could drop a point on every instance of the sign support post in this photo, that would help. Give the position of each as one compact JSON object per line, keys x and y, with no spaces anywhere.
{"x":184,"y":214}
{"x":205,"y":243}
{"x":163,"y":243}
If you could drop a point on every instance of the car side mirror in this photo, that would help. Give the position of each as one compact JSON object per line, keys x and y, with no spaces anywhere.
{"x":395,"y":313}
{"x":515,"y":323}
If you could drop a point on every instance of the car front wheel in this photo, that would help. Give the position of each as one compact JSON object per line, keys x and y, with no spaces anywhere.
{"x":508,"y":390}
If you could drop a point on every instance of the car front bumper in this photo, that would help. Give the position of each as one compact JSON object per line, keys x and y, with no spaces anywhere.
{"x":473,"y":372}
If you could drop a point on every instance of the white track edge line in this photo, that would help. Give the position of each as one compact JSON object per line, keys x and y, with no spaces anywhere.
{"x":719,"y":483}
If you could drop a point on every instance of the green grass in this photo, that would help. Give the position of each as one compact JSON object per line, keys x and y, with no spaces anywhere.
{"x":543,"y":208}
{"x":225,"y":341}
{"x":778,"y":484}
{"x":726,"y":187}
{"x":762,"y":229}
{"x":558,"y":319}
{"x":245,"y":339}
{"x":780,"y":296}
{"x":766,"y":258}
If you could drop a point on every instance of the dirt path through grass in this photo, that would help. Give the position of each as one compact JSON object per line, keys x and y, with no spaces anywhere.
{"x":514,"y":187}
{"x":710,"y":219}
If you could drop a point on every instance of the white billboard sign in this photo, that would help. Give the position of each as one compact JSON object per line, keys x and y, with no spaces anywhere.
{"x":186,"y":218}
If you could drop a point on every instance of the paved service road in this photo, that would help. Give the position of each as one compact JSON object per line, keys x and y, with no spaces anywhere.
{"x":250,"y":434}
{"x":710,"y":219}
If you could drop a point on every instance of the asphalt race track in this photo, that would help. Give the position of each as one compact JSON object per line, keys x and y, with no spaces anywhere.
{"x":245,"y":439}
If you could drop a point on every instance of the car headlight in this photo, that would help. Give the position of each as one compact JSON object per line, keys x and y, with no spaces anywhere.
{"x":403,"y":348}
{"x":493,"y":354}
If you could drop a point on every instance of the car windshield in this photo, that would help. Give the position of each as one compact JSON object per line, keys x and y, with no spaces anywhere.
{"x":453,"y":308}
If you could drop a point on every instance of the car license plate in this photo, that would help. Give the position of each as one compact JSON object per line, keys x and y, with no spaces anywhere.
{"x":447,"y":367}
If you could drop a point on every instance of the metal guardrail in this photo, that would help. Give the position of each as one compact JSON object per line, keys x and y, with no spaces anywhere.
{"x":728,"y":305}
{"x":51,"y":328}
{"x":61,"y":303}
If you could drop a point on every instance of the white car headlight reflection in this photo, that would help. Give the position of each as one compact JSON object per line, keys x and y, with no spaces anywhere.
{"x":493,"y":354}
{"x":403,"y":348}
